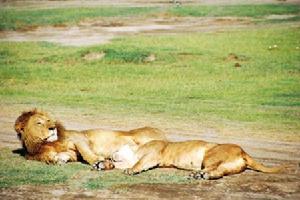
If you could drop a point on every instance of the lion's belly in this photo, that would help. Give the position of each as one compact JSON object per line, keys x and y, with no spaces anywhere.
{"x":186,"y":158}
{"x":125,"y":157}
{"x":106,"y":144}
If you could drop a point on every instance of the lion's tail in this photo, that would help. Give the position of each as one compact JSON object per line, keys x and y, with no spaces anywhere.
{"x":252,"y":164}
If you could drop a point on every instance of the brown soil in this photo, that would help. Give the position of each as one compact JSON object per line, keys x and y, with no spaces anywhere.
{"x":94,"y":56}
{"x":245,"y":186}
{"x":95,"y":32}
{"x":92,"y":32}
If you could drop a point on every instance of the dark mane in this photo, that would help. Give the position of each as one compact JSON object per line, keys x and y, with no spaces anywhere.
{"x":60,"y":129}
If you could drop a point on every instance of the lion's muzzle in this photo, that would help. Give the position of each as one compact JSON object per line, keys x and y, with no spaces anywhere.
{"x":53,"y":135}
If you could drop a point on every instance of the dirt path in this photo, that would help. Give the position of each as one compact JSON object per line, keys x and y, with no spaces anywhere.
{"x":248,"y":185}
{"x":95,"y":32}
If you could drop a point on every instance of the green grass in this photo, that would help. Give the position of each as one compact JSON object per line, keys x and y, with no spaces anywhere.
{"x":17,"y":18}
{"x":236,"y":10}
{"x":12,"y":18}
{"x":15,"y":171}
{"x":156,"y":176}
{"x":191,"y":78}
{"x":123,"y":55}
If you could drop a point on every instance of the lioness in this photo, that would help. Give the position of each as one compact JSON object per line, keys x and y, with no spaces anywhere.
{"x":47,"y":140}
{"x":208,"y":160}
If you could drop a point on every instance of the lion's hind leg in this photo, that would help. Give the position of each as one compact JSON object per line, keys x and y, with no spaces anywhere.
{"x":221,"y":161}
{"x":146,"y":162}
{"x":220,"y":169}
{"x":226,"y":168}
{"x":148,"y":155}
{"x":199,"y":174}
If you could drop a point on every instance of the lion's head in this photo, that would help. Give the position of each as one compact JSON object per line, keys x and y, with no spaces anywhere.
{"x":35,"y":128}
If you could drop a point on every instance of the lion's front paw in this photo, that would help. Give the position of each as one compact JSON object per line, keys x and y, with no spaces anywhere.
{"x":129,"y":171}
{"x":199,"y":175}
{"x":99,"y":165}
{"x":104,"y":165}
{"x":62,"y":158}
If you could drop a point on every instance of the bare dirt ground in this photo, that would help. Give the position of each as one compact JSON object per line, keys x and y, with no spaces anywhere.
{"x":95,"y":32}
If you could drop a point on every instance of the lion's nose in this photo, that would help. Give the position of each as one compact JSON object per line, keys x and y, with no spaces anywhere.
{"x":51,"y":128}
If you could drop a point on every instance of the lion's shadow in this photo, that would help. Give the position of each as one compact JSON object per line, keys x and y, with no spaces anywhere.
{"x":20,"y":152}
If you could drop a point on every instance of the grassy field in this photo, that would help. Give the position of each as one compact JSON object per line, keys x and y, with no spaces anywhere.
{"x":194,"y":76}
{"x":17,"y":171}
{"x":16,"y":19}
{"x":234,"y":10}
{"x":11,"y":19}
{"x":236,"y":76}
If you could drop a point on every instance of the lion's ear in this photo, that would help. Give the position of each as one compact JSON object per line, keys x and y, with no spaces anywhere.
{"x":19,"y":128}
{"x":22,"y":120}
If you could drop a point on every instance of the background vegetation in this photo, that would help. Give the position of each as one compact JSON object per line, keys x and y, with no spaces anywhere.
{"x":194,"y":76}
{"x":12,"y":18}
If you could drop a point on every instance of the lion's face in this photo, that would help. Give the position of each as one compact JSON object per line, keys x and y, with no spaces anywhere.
{"x":42,"y":127}
{"x":34,"y":128}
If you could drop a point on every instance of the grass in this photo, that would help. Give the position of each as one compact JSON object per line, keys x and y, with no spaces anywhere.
{"x":18,"y":19}
{"x":12,"y":18}
{"x":125,"y":55}
{"x":157,"y":176}
{"x":234,"y":10}
{"x":15,"y":171}
{"x":192,"y":77}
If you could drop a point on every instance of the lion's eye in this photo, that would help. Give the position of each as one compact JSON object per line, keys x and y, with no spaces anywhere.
{"x":39,"y":123}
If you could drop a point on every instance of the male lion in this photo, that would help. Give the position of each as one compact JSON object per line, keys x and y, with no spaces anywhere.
{"x":208,"y":160}
{"x":47,"y":140}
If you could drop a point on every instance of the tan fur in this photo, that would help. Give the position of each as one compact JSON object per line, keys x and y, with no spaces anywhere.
{"x":210,"y":160}
{"x":34,"y":127}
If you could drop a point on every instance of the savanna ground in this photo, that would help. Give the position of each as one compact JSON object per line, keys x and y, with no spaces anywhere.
{"x":223,"y":71}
